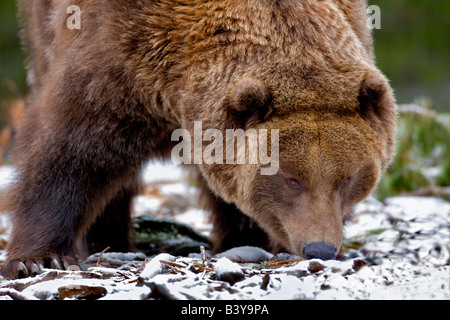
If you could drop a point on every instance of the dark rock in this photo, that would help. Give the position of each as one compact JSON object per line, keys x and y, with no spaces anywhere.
{"x":81,"y":292}
{"x":315,"y":266}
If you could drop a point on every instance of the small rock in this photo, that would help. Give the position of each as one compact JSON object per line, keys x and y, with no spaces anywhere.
{"x":265,"y":282}
{"x":228,"y":271}
{"x":358,"y":264}
{"x":155,"y":266}
{"x":81,"y":292}
{"x":315,"y":266}
{"x":246,"y":254}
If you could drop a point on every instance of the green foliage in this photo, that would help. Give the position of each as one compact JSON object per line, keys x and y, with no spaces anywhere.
{"x":423,"y":153}
{"x":412,"y":48}
{"x":153,"y":235}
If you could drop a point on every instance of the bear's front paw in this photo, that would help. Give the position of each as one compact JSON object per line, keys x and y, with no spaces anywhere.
{"x":18,"y":269}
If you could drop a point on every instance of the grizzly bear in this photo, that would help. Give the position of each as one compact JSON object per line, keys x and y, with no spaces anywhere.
{"x":107,"y":96}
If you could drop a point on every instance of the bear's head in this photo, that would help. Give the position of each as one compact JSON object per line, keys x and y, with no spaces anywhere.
{"x":334,"y":135}
{"x":302,"y":76}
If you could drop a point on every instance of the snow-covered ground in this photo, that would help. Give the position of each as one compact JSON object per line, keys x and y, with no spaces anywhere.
{"x":399,"y":249}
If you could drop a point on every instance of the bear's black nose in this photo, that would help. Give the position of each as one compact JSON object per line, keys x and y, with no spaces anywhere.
{"x":319,"y":250}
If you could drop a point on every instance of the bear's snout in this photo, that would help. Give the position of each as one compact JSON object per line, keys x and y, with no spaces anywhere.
{"x":319,"y":250}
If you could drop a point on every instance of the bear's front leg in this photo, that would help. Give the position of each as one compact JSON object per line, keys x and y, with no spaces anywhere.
{"x":231,"y":227}
{"x":51,"y":207}
{"x":68,"y":173}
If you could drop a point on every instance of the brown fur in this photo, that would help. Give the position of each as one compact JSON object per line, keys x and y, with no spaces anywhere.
{"x":107,"y":97}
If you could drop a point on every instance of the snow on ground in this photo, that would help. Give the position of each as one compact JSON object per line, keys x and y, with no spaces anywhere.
{"x":6,"y":175}
{"x":399,"y":249}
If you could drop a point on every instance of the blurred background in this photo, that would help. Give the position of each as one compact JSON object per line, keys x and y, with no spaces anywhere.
{"x":412,"y":49}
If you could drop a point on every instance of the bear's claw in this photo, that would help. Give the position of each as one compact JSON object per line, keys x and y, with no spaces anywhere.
{"x":18,"y":269}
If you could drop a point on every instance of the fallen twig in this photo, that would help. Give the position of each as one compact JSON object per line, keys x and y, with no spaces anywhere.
{"x":141,"y":267}
{"x":279,"y":264}
{"x":123,"y":274}
{"x":100,"y":256}
{"x":203,"y":253}
{"x":172,"y":264}
{"x":174,"y":267}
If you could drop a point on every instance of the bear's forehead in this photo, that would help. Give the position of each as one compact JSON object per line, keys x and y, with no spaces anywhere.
{"x":324,"y":88}
{"x":311,"y":140}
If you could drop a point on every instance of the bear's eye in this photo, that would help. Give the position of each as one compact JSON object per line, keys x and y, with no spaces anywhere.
{"x":294,"y":184}
{"x":346,"y":182}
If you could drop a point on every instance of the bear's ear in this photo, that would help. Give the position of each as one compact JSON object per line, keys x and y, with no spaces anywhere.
{"x":250,"y":101}
{"x":376,"y":103}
